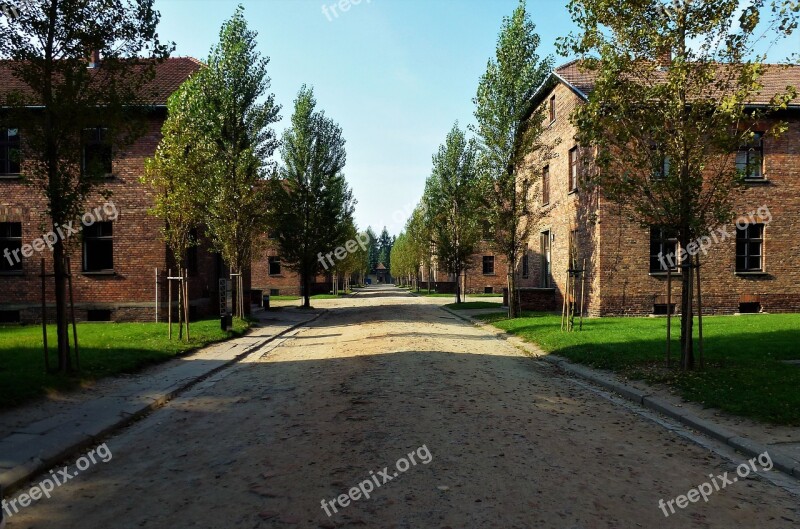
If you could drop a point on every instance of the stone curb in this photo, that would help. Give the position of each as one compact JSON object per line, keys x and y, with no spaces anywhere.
{"x":746,"y":446}
{"x":15,"y":478}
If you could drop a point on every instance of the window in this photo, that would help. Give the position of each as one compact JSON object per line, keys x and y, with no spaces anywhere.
{"x":749,"y":248}
{"x":750,"y":157}
{"x":663,"y":250}
{"x":546,"y":272}
{"x":552,"y":108}
{"x":9,"y":151}
{"x":526,"y":268}
{"x":96,"y":159}
{"x":546,"y":185}
{"x":487,"y":234}
{"x":488,"y":290}
{"x":661,"y":170}
{"x":98,"y":315}
{"x":191,"y":253}
{"x":274,"y":266}
{"x":488,"y":265}
{"x":10,"y":246}
{"x":98,"y":248}
{"x":573,"y":169}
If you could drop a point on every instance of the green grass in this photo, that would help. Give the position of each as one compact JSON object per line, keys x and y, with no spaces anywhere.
{"x":745,"y":372}
{"x":284,"y":298}
{"x":434,"y":294}
{"x":468,"y":305}
{"x":105,"y":349}
{"x":484,"y":295}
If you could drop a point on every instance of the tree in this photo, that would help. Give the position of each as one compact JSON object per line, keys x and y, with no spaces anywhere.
{"x":453,"y":196}
{"x":48,"y":44}
{"x":177,"y":170}
{"x":374,"y":251}
{"x":420,"y":235}
{"x":509,"y":133}
{"x":310,"y":204}
{"x":234,"y":115}
{"x":670,"y":108}
{"x":385,"y":242}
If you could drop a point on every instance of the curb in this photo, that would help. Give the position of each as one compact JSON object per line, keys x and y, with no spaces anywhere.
{"x":746,"y":446}
{"x":15,"y":478}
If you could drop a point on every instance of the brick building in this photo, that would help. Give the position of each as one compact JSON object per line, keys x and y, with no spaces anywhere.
{"x":751,"y":270}
{"x":113,"y":261}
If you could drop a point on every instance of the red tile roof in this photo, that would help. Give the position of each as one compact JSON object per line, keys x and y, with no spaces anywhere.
{"x":169,"y":75}
{"x":775,"y":80}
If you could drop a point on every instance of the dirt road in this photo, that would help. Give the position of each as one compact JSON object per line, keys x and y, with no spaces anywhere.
{"x":498,"y":440}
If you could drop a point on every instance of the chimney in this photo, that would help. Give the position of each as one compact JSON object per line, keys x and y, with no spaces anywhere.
{"x":94,"y":58}
{"x":664,"y":58}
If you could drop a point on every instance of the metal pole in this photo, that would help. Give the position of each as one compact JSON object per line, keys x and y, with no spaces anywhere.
{"x":72,"y":311}
{"x":583,"y":291}
{"x":669,"y":315}
{"x":156,"y":295}
{"x":169,"y":302}
{"x":699,"y":317}
{"x":44,"y":321}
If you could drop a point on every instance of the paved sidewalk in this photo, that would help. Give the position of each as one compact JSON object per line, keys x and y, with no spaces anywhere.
{"x":746,"y":436}
{"x":38,"y":435}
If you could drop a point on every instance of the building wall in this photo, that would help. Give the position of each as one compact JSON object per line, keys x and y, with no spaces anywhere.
{"x":138,"y":248}
{"x":618,"y":280}
{"x":476,"y":281}
{"x":629,"y":288}
{"x":568,"y":211}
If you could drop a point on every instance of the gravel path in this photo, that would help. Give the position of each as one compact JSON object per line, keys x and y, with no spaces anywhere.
{"x":498,"y":440}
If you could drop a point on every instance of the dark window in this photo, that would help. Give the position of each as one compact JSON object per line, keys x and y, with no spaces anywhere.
{"x":9,"y":316}
{"x":488,"y":290}
{"x":573,"y":169}
{"x":9,"y":151}
{"x":96,"y":159}
{"x":661,"y":163}
{"x":546,"y":185}
{"x":749,"y":246}
{"x":751,"y":307}
{"x":663,"y":250}
{"x":750,"y":157}
{"x":10,"y":246}
{"x":486,"y":229}
{"x":274,"y":266}
{"x":274,"y":292}
{"x":552,"y":108}
{"x":488,"y":265}
{"x":98,"y":247}
{"x":526,"y":267}
{"x":98,"y":315}
{"x":546,"y":272}
{"x":191,"y":253}
{"x":660,"y":309}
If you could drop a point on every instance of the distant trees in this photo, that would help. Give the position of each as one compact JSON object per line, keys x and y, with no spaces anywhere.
{"x":385,"y":243}
{"x":509,"y":134}
{"x":310,"y":204}
{"x":670,"y":109}
{"x":50,"y":44}
{"x":453,"y":202}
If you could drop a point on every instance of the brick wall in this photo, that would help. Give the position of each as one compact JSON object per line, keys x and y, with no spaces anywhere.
{"x":138,"y":247}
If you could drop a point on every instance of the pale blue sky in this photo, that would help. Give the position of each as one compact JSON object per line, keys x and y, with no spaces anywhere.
{"x":396,"y":74}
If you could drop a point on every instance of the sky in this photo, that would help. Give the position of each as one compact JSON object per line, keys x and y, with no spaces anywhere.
{"x":395,"y":74}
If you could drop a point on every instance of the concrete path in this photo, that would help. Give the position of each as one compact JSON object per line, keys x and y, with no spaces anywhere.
{"x":38,"y":435}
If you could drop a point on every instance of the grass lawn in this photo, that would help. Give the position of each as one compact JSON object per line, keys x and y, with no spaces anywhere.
{"x":284,"y":298}
{"x":105,"y":349}
{"x":467,"y":305}
{"x":745,"y":371}
{"x":484,"y":295}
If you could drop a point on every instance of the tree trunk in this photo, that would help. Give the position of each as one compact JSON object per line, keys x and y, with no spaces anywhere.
{"x":64,"y":359}
{"x":306,"y":291}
